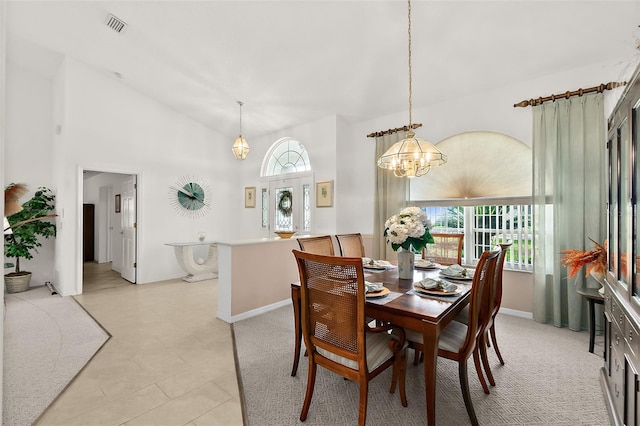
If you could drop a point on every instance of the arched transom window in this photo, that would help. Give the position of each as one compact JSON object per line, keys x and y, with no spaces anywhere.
{"x":287,"y":156}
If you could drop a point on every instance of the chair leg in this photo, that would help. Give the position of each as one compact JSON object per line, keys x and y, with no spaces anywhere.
{"x":297,"y":329}
{"x":476,"y":361}
{"x":485,"y":359}
{"x":416,"y":356}
{"x":495,"y":344}
{"x":311,"y":381}
{"x":466,"y":395}
{"x":362,"y":413}
{"x":403,"y":373}
{"x":395,"y":374}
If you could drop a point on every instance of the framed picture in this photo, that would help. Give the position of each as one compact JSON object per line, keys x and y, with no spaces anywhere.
{"x":250,"y":196}
{"x":118,"y":203}
{"x":324,"y":193}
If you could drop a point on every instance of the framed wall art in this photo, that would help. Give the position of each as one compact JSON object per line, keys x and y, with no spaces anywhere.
{"x":250,"y":196}
{"x":324,"y":193}
{"x":118,"y":203}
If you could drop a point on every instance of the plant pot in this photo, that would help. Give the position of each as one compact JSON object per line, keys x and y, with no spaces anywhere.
{"x":17,"y":282}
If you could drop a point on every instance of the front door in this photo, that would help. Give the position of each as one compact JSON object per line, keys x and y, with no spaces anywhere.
{"x":290,"y":207}
{"x":129,"y":225}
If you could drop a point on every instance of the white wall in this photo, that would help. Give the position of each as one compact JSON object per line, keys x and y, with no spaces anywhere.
{"x":108,"y":127}
{"x":28,"y":151}
{"x":3,"y":98}
{"x":320,"y":140}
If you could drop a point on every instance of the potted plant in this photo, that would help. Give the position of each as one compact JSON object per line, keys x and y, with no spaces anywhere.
{"x":23,"y":237}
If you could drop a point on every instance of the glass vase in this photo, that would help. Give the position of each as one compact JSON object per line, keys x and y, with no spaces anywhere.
{"x":406,"y":260}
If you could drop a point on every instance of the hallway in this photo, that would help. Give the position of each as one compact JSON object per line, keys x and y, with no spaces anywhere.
{"x":170,"y":360}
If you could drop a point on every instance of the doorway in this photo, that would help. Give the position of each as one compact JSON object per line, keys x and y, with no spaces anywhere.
{"x":113,"y":197}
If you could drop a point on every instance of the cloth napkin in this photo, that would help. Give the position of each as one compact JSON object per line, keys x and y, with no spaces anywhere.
{"x":372,"y":287}
{"x":366,"y":261}
{"x":431,"y":284}
{"x":455,"y":271}
{"x":424,"y":263}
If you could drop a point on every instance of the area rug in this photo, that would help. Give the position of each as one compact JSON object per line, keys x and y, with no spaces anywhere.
{"x":549,"y":378}
{"x":48,"y":339}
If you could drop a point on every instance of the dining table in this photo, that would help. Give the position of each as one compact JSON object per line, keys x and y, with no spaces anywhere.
{"x":407,"y":308}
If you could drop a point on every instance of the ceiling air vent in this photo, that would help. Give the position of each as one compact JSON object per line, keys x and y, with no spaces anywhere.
{"x":115,"y":23}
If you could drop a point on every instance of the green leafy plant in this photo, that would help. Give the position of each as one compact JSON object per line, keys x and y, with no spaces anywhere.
{"x":28,"y":225}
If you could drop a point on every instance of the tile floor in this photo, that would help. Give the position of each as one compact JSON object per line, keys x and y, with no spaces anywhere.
{"x":169,"y":362}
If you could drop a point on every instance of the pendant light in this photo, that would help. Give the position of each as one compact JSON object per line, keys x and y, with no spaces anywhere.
{"x":240,"y":147}
{"x":411,"y":157}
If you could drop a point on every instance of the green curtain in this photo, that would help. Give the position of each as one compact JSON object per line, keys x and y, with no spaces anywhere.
{"x":391,"y":195}
{"x":569,"y":204}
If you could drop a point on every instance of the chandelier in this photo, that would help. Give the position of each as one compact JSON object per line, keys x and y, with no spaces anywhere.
{"x":411,"y":156}
{"x":240,"y":147}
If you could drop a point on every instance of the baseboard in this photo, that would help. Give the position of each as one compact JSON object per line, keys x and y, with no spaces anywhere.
{"x":256,"y":312}
{"x":515,"y":313}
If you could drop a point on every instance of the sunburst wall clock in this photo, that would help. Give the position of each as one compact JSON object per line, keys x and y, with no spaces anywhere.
{"x":191,"y":196}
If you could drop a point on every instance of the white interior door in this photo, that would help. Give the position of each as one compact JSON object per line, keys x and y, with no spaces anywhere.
{"x":128,"y":219}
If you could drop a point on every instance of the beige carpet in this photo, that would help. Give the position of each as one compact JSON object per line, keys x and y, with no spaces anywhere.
{"x":48,"y":339}
{"x":549,"y":378}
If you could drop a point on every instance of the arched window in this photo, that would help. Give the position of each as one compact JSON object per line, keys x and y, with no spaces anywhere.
{"x":286,"y":200}
{"x":286,"y":155}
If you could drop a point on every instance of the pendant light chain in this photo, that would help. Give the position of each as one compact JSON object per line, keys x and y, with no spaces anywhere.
{"x":410,"y":85}
{"x":240,"y":103}
{"x":411,"y":156}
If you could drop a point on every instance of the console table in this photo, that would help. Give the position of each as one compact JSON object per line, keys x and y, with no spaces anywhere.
{"x":593,"y":297}
{"x":206,"y":270}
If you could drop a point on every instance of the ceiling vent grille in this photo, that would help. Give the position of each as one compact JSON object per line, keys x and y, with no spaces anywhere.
{"x":115,"y":23}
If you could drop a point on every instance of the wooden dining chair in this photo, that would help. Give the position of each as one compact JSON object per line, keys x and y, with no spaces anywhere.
{"x":445,"y":250}
{"x":495,"y":300}
{"x":350,"y":245}
{"x":458,"y":341}
{"x":335,"y":330}
{"x":317,"y":245}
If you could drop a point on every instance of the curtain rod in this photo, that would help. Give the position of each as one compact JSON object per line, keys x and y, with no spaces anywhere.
{"x":396,"y":130}
{"x":601,"y":88}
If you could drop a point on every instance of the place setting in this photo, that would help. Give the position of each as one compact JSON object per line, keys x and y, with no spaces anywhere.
{"x":426,"y":264}
{"x":375,"y":265}
{"x":436,"y":287}
{"x":457,"y":273}
{"x":378,"y":293}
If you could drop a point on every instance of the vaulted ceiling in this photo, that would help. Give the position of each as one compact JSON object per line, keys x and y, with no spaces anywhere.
{"x":293,"y":62}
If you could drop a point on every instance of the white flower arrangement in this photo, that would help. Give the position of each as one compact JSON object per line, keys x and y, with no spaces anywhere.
{"x":409,"y":229}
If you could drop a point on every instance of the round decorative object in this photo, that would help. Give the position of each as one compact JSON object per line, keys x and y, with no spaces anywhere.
{"x":285,"y":234}
{"x":285,"y":203}
{"x":191,"y":196}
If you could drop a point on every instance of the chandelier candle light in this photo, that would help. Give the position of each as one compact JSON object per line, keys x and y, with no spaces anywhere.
{"x":411,"y":157}
{"x":240,"y":147}
{"x":408,"y":232}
